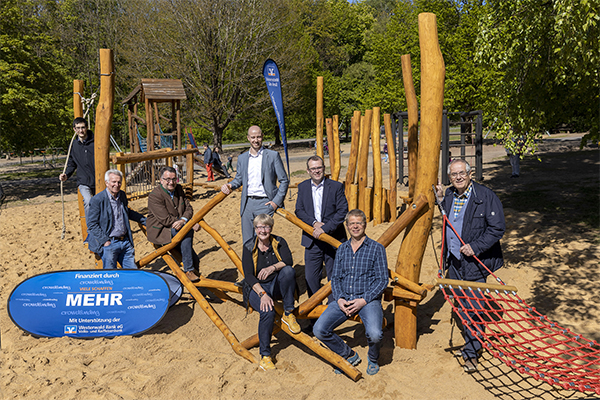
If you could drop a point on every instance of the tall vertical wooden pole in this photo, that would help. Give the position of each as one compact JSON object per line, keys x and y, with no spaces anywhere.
{"x":104,"y":114}
{"x":392,"y":193}
{"x":331,"y":153}
{"x":413,"y":123}
{"x":415,"y":238}
{"x":351,"y":172}
{"x":363,"y":160}
{"x":377,"y":177}
{"x":335,"y":147}
{"x":319,"y":140}
{"x":77,"y":96}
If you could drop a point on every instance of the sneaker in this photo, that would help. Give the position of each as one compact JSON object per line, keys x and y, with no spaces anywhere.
{"x":373,"y":368}
{"x":266,"y":363}
{"x":290,"y":321}
{"x":191,"y":275}
{"x":470,"y":365}
{"x":353,"y":359}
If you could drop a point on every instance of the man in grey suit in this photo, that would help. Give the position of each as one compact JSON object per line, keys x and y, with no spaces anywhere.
{"x":258,"y":171}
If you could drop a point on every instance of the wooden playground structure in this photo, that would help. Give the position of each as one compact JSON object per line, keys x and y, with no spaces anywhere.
{"x":379,"y":205}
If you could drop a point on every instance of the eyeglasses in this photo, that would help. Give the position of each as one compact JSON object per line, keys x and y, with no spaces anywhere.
{"x":355,"y":223}
{"x":172,"y":180}
{"x":263,"y":228}
{"x":315,"y":169}
{"x":455,"y":175}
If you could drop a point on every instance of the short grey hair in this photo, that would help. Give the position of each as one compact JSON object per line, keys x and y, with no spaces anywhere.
{"x":263,"y":219}
{"x":112,"y":172}
{"x":459,"y":160}
{"x":356,"y":213}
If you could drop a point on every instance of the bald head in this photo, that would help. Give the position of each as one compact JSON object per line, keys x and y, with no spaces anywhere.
{"x":255,"y":137}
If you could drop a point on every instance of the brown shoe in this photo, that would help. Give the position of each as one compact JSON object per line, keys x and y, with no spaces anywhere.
{"x":191,"y":275}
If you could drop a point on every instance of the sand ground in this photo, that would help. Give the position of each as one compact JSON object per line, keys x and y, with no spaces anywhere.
{"x":551,"y":250}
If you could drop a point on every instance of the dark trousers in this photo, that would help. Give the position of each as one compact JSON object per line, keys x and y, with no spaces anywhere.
{"x":188,"y":255}
{"x":472,"y":344}
{"x":281,"y":287}
{"x":314,"y":257}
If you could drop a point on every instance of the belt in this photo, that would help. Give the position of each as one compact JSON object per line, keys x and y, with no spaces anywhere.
{"x":118,"y":238}
{"x":257,"y":197}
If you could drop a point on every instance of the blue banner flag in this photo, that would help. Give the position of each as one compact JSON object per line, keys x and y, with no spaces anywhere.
{"x":91,"y":303}
{"x":271,"y":74}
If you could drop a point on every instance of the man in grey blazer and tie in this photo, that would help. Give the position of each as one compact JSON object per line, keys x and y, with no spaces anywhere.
{"x":258,"y":171}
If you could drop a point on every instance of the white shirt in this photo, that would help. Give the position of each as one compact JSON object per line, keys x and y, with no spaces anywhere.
{"x":317,"y":196}
{"x":255,"y":186}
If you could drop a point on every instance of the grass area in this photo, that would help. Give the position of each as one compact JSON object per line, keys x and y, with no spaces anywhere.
{"x":33,"y":174}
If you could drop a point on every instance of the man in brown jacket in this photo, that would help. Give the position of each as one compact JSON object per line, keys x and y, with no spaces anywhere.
{"x":168,"y":211}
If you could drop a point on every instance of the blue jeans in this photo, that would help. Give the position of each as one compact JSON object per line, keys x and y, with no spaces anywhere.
{"x":188,"y":255}
{"x":332,"y":317}
{"x":120,"y":251}
{"x":281,"y":287}
{"x":87,"y":193}
{"x":472,"y":344}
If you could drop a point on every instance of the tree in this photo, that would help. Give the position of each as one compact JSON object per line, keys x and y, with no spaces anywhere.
{"x":546,"y":55}
{"x":218,"y":49}
{"x":33,"y":82}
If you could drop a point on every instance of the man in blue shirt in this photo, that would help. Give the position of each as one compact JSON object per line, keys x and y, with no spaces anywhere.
{"x":359,"y":278}
{"x":108,"y":224}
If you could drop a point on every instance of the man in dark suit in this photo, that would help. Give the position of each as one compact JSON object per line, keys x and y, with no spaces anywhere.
{"x":258,"y":171}
{"x":322,"y":204}
{"x":108,"y":224}
{"x":168,"y":211}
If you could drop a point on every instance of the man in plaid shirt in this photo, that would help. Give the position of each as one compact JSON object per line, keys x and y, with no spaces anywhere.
{"x":359,"y":277}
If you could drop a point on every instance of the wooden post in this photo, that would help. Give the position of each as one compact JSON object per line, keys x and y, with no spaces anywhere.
{"x":335,"y":148}
{"x":363,"y":159}
{"x":413,"y":123}
{"x":121,"y":167}
{"x":329,"y":131}
{"x":104,"y":114}
{"x":190,"y":167}
{"x":415,"y":239}
{"x":377,"y":178}
{"x":319,"y":139}
{"x":351,"y":172}
{"x":392,"y":193}
{"x":353,"y":199}
{"x":77,"y":96}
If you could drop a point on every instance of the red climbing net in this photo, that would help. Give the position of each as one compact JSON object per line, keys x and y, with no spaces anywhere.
{"x":522,"y":337}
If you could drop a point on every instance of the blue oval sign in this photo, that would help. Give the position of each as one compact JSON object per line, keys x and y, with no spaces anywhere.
{"x":89,"y":303}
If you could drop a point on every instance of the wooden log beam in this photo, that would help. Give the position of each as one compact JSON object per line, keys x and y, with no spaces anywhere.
{"x":407,"y":217}
{"x":224,"y":245}
{"x":216,"y":284}
{"x":319,"y":137}
{"x":307,"y":228}
{"x":363,"y":159}
{"x":183,"y":231}
{"x":351,"y":172}
{"x":415,"y":239}
{"x":150,"y":155}
{"x":475,"y":285}
{"x":77,"y":98}
{"x":104,"y":114}
{"x":330,"y":152}
{"x":207,"y":308}
{"x":335,"y":147}
{"x":377,"y":174}
{"x":413,"y":123}
{"x":393,"y":191}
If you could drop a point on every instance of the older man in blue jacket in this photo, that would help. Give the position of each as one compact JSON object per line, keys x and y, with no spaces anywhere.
{"x":477,"y":215}
{"x":108,"y":224}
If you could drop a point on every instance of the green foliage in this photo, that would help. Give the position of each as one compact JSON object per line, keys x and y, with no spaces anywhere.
{"x":33,"y":82}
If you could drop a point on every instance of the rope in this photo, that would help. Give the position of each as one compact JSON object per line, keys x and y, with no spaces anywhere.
{"x":62,"y":196}
{"x":520,"y":336}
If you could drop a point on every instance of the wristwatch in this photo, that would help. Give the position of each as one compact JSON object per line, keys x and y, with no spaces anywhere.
{"x":261,"y":294}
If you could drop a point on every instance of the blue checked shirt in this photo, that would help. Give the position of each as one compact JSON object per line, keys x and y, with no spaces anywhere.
{"x":363,"y":274}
